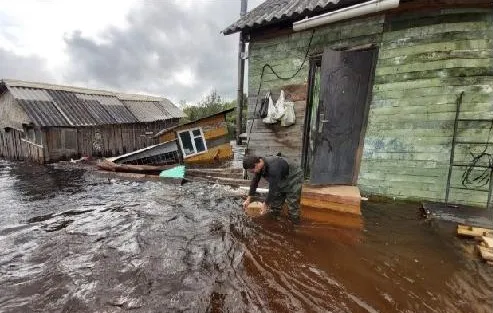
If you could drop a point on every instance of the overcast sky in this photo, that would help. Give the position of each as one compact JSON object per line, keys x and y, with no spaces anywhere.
{"x":171,"y":48}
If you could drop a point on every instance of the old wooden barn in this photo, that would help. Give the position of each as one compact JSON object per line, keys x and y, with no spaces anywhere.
{"x":392,"y":96}
{"x":47,"y":123}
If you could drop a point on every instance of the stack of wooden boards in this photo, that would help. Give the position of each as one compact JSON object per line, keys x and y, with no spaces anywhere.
{"x":335,"y":205}
{"x":344,"y":199}
{"x":484,"y":236}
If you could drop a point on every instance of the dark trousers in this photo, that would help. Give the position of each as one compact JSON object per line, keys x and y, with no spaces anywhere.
{"x":290,"y":192}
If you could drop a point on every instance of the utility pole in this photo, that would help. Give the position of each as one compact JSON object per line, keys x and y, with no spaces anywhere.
{"x":241,"y":75}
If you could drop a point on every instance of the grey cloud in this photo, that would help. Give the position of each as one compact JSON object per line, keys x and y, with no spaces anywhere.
{"x":15,"y":66}
{"x":161,"y":38}
{"x":6,"y":26}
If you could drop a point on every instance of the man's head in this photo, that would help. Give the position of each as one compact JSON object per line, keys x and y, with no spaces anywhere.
{"x":253,"y":163}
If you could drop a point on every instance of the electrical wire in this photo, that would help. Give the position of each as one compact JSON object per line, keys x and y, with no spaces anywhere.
{"x":268,"y":66}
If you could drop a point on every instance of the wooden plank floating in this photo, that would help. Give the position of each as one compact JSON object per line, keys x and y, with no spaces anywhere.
{"x":108,"y":165}
{"x":469,"y":231}
{"x":486,"y":253}
{"x":485,"y":238}
{"x":487,"y":241}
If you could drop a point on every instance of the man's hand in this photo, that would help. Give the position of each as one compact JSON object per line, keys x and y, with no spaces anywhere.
{"x":264,"y":208}
{"x":247,"y":202}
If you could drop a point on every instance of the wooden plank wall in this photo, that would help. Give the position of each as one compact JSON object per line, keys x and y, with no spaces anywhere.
{"x":426,"y":60}
{"x":14,"y":147}
{"x":11,"y":114}
{"x":285,"y":54}
{"x":216,"y":136}
{"x":213,"y":155}
{"x":104,"y":141}
{"x":11,"y":145}
{"x":215,"y":130}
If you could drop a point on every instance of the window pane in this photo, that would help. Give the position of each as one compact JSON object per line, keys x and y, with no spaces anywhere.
{"x":196,"y":132}
{"x":199,"y":144}
{"x":186,"y":140}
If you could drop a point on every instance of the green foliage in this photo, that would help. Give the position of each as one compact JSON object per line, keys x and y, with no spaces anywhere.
{"x":212,"y":104}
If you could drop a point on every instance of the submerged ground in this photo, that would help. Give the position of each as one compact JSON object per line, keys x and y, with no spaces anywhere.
{"x":73,"y":241}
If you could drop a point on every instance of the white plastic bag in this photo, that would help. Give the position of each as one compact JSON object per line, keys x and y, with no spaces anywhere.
{"x":280,"y":107}
{"x":271,"y":112}
{"x":289,"y":118}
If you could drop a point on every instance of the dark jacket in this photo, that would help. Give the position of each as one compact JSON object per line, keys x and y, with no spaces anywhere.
{"x":275,"y":170}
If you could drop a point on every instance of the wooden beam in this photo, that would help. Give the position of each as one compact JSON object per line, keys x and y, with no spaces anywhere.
{"x":469,"y":231}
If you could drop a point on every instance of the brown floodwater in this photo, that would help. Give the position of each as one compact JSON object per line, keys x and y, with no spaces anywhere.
{"x":74,"y":241}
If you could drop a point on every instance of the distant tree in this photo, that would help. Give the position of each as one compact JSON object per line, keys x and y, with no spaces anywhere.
{"x":210,"y":105}
{"x":231,"y":117}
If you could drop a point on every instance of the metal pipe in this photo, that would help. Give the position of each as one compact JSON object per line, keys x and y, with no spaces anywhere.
{"x":241,"y":77}
{"x":361,"y":9}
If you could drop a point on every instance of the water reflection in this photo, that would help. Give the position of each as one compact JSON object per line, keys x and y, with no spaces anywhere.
{"x":37,"y":182}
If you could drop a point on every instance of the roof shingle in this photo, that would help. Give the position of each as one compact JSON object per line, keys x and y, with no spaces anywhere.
{"x":275,"y":11}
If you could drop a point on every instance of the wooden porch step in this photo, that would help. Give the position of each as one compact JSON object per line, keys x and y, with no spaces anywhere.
{"x":344,"y":199}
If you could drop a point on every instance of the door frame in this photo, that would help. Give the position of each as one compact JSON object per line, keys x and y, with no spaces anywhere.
{"x":317,"y":60}
{"x":366,"y":112}
{"x":314,"y":61}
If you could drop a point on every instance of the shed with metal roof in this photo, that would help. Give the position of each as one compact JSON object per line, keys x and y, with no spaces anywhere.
{"x":46,"y":122}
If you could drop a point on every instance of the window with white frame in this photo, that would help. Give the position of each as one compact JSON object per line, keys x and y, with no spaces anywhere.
{"x":192,"y":141}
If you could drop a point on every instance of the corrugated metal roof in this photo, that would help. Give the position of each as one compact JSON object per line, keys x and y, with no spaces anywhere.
{"x":99,"y":113}
{"x":137,"y":97}
{"x":30,"y":94}
{"x":43,"y":113}
{"x":174,"y":111}
{"x":118,"y":111}
{"x":193,"y":122}
{"x":52,"y":105}
{"x":71,"y":108}
{"x":147,"y":111}
{"x":275,"y":11}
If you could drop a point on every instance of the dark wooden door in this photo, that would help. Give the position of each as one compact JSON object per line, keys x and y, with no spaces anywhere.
{"x":344,"y":85}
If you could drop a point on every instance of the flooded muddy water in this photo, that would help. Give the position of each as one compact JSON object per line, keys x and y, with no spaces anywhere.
{"x":73,"y":241}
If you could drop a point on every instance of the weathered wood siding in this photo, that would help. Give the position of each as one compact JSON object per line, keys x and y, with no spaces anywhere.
{"x":11,"y":114}
{"x":13,"y":146}
{"x":426,"y":60}
{"x":285,"y":54}
{"x":215,"y":130}
{"x":216,"y":136}
{"x":109,"y":140}
{"x":216,"y":154}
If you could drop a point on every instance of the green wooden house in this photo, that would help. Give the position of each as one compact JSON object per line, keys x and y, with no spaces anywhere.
{"x":395,"y":97}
